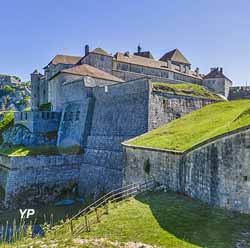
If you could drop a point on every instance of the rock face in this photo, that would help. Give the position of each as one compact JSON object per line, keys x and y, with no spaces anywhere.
{"x":215,"y":172}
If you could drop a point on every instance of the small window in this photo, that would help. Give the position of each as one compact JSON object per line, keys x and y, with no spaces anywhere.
{"x":77,"y":115}
{"x":26,"y":116}
{"x":245,"y":178}
{"x":43,"y":115}
{"x":52,"y":115}
{"x":71,"y":116}
{"x":48,"y":115}
{"x":164,"y":101}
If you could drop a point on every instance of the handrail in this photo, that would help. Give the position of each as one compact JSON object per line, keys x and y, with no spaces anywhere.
{"x":115,"y":195}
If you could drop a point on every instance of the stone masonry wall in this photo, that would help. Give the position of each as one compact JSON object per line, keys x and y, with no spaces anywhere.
{"x":168,"y":107}
{"x":239,"y":92}
{"x":216,"y":172}
{"x":119,"y":113}
{"x":39,"y":179}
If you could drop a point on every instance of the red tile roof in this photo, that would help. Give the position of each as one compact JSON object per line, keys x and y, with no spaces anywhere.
{"x":87,"y":70}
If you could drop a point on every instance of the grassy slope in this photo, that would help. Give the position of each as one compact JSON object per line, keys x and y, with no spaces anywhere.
{"x":192,"y":129}
{"x":21,"y":151}
{"x":165,"y":220}
{"x":186,"y":89}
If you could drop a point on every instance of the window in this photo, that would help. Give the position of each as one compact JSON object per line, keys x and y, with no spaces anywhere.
{"x":245,"y":178}
{"x":77,"y":115}
{"x":43,"y":115}
{"x":48,"y":115}
{"x":26,"y":116}
{"x":136,"y":68}
{"x":52,"y":115}
{"x":122,"y":67}
{"x":70,"y":116}
{"x":164,"y":74}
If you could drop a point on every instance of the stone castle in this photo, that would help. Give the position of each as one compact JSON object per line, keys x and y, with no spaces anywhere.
{"x":96,"y":102}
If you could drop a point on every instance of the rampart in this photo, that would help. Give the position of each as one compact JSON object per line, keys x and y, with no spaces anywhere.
{"x":215,"y":171}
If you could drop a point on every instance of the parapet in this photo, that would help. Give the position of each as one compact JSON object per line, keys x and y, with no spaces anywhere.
{"x":38,"y":121}
{"x":239,"y":92}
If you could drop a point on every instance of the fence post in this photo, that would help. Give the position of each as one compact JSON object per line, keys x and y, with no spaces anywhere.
{"x":97,"y":215}
{"x":71,"y":227}
{"x":107,"y":207}
{"x":86,"y":223}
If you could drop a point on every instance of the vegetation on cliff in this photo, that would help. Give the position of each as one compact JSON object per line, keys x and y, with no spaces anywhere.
{"x":156,"y":218}
{"x":186,"y":89}
{"x":6,"y":122}
{"x":199,"y":126}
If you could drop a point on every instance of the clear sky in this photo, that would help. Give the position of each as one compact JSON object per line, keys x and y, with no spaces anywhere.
{"x":209,"y":32}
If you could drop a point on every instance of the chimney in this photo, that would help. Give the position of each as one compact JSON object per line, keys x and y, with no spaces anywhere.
{"x":86,"y":50}
{"x":139,"y":49}
{"x":212,"y":69}
{"x":197,"y":71}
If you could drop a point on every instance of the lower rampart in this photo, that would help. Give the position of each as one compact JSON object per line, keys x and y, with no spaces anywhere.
{"x":216,"y":172}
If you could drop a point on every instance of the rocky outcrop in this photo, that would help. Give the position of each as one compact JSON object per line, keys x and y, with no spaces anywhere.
{"x":20,"y":135}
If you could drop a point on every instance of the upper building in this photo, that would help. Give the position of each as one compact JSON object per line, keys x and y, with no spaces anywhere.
{"x":172,"y":67}
{"x":216,"y":81}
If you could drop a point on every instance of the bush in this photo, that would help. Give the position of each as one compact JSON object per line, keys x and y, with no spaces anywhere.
{"x":8,"y":89}
{"x":8,"y":121}
{"x":45,"y":107}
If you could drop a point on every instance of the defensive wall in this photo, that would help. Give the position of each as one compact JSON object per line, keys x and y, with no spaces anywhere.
{"x":28,"y":181}
{"x":239,"y":92}
{"x":215,"y":171}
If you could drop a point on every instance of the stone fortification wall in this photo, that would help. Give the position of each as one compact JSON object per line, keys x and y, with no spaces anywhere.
{"x":239,"y":92}
{"x":166,"y":107}
{"x":216,"y":172}
{"x":119,"y":113}
{"x":38,"y":121}
{"x":38,"y":179}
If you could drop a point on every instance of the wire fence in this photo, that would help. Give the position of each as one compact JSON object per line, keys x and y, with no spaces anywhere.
{"x":92,"y":213}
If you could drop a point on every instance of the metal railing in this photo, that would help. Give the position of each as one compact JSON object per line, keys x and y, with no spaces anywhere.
{"x":95,"y":210}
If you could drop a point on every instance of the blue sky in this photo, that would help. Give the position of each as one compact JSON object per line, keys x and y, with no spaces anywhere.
{"x":210,"y":33}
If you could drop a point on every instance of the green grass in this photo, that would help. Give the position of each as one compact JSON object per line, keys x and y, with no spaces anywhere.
{"x":200,"y":125}
{"x":163,"y":219}
{"x":186,"y":89}
{"x":21,"y":151}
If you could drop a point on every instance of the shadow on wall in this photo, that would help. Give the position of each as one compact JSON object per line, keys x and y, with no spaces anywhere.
{"x":196,"y":222}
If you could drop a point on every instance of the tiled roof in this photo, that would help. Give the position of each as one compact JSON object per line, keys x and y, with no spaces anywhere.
{"x":65,"y":59}
{"x":87,"y":70}
{"x":100,"y":51}
{"x":138,"y":60}
{"x":175,"y":56}
{"x":216,"y":73}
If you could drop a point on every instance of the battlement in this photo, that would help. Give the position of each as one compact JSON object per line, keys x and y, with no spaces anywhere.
{"x":38,"y":121}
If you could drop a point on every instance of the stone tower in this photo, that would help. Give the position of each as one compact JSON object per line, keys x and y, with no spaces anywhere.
{"x":35,"y":89}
